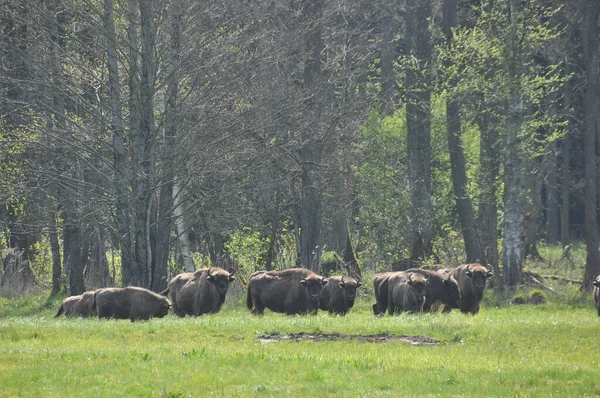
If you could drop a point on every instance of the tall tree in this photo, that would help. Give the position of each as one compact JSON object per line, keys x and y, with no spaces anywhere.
{"x":513,"y":251}
{"x":466,"y":215}
{"x":592,"y":129}
{"x":418,"y":124}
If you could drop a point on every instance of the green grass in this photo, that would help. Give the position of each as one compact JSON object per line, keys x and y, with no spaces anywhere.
{"x":547,"y":350}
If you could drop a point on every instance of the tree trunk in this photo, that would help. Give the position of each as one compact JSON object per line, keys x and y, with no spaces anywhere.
{"x":466,"y":215}
{"x":311,"y":151}
{"x":532,"y":206}
{"x":592,"y":263}
{"x":387,"y":57}
{"x":165,"y":209}
{"x":122,"y":205}
{"x":565,"y":152}
{"x":513,"y":253}
{"x":418,"y":124}
{"x":185,"y":258}
{"x":552,"y":207}
{"x":57,"y":284}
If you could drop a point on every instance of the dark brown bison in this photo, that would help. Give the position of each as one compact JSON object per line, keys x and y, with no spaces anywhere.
{"x":200,"y":292}
{"x":471,"y":280}
{"x":78,"y":306}
{"x":399,"y":291}
{"x":440,"y":288}
{"x":380,"y":288}
{"x":291,"y":291}
{"x":338,"y":295}
{"x":131,"y":303}
{"x":596,"y":284}
{"x":406,"y":292}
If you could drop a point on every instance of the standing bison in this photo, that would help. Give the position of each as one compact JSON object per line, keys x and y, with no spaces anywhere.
{"x":399,"y":291}
{"x":338,"y":295}
{"x":200,"y":292}
{"x":133,"y":303}
{"x":81,"y":305}
{"x":291,"y":291}
{"x":596,"y":284}
{"x":440,"y":288}
{"x":471,"y":280}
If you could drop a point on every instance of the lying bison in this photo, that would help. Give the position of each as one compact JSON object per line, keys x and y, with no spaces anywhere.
{"x":596,"y":284}
{"x":78,"y":306}
{"x":399,"y":291}
{"x":440,"y":288}
{"x":200,"y":292}
{"x":131,"y":303}
{"x":291,"y":291}
{"x":471,"y":280}
{"x":338,"y":295}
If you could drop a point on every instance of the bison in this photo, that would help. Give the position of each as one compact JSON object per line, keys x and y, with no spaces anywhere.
{"x":338,"y":294}
{"x":596,"y":284}
{"x":200,"y":292}
{"x":78,"y":306}
{"x":399,"y":291}
{"x":440,"y":288}
{"x":131,"y":303}
{"x":406,"y":292}
{"x":291,"y":291}
{"x":471,"y":280}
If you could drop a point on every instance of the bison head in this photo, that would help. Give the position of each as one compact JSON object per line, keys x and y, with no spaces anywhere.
{"x":350,"y":285}
{"x":164,"y":308}
{"x":478,"y":275}
{"x":418,"y":283}
{"x":221,"y":279}
{"x":313,"y":284}
{"x":597,"y":281}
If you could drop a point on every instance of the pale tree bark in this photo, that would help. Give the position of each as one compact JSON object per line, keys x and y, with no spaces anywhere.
{"x":311,"y":151}
{"x":552,"y":206}
{"x":592,"y":103}
{"x":418,"y":124}
{"x":165,"y":209}
{"x":387,"y":56}
{"x":184,"y":258}
{"x":57,"y":283}
{"x":565,"y":152}
{"x":466,"y":214}
{"x":513,"y":250}
{"x":122,"y":205}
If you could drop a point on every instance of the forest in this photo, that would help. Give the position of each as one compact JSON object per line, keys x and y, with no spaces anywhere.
{"x":142,"y":138}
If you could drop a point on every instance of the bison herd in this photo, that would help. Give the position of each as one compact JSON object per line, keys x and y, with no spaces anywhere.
{"x":292,"y":291}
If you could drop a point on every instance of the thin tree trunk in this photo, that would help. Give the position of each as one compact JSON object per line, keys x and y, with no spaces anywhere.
{"x":418,"y":124}
{"x":122,"y":206}
{"x":165,"y":211}
{"x":466,"y":215}
{"x":55,"y":249}
{"x":592,"y":263}
{"x":311,"y":152}
{"x":552,"y":207}
{"x":565,"y":151}
{"x":387,"y":57}
{"x":513,"y":251}
{"x":183,"y":238}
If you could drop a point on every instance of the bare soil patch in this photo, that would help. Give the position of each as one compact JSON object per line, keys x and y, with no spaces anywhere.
{"x":366,"y":338}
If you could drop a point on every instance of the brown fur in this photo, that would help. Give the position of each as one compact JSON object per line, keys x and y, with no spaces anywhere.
{"x":78,"y":306}
{"x":406,"y":292}
{"x":131,"y":303}
{"x":380,"y":286}
{"x":338,"y":295}
{"x":197,"y":293}
{"x":440,"y":288}
{"x":597,"y":294}
{"x":471,"y":280}
{"x":291,"y":291}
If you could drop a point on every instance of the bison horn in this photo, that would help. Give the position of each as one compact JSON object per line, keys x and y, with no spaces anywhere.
{"x":231,"y":271}
{"x":209,"y":268}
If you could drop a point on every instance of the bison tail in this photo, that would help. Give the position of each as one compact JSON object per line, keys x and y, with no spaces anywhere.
{"x":249,"y":300}
{"x":60,"y":311}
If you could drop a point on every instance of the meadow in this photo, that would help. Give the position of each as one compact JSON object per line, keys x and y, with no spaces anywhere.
{"x":544,"y":350}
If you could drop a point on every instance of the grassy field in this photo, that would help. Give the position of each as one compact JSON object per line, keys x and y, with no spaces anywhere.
{"x":546,"y":350}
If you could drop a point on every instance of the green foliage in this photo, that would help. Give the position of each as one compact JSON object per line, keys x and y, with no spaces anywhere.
{"x":248,"y":248}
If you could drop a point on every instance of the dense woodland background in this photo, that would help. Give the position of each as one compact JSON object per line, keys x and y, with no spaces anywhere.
{"x":142,"y":138}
